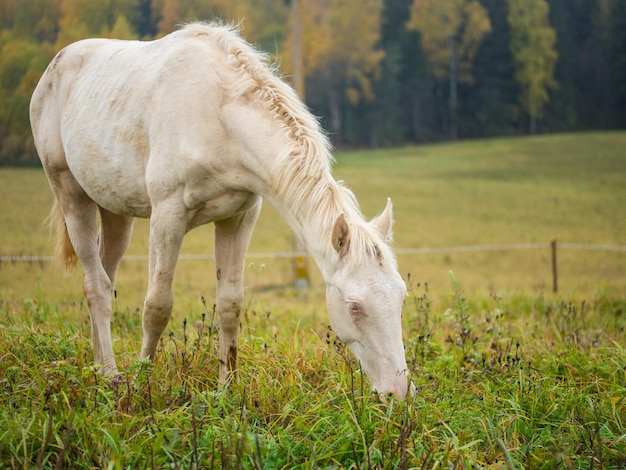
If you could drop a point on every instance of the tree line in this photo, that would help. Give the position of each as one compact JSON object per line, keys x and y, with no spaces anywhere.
{"x":377,"y":72}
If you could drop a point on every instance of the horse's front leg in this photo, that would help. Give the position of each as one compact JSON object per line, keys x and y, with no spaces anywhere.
{"x":232,"y":237}
{"x":167,"y":229}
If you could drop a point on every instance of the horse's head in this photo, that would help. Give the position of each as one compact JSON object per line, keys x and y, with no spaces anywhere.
{"x":364,"y":298}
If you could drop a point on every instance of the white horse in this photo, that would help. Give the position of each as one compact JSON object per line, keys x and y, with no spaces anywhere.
{"x":196,"y":128}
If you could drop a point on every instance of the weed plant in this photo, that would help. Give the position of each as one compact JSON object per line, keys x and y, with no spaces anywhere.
{"x":501,"y":382}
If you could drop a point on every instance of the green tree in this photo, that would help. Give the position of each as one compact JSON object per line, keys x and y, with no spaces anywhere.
{"x":617,"y":54}
{"x":451,"y":32}
{"x":490,"y":106}
{"x":533,"y":47}
{"x":394,"y":115}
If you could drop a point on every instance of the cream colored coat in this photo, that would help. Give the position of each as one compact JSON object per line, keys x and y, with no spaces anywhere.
{"x":195,"y":128}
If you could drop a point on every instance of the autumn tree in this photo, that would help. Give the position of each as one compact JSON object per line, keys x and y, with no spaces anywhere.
{"x":121,"y":29}
{"x":35,"y":19}
{"x":296,"y":42}
{"x":534,"y":55}
{"x":22,"y":61}
{"x":451,"y":32}
{"x":339,"y":48}
{"x":170,"y":16}
{"x":8,"y":12}
{"x":265,"y":23}
{"x":88,"y":18}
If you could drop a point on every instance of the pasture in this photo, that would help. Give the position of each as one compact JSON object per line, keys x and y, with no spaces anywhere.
{"x":508,"y":374}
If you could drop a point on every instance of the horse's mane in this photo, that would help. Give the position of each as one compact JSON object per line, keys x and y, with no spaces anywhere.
{"x":303,"y":168}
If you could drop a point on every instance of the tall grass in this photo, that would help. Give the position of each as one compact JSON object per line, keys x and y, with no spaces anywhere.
{"x":502,"y":382}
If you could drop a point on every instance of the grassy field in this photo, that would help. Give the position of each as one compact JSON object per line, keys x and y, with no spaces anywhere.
{"x":508,"y":374}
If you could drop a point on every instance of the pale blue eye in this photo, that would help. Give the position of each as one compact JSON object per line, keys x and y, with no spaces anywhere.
{"x":354,"y":308}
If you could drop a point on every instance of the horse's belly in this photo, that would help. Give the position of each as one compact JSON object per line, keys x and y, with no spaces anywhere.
{"x":120,"y":189}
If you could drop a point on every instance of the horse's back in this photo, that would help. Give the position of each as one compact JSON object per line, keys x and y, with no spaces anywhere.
{"x":94,"y":79}
{"x":103,"y":108}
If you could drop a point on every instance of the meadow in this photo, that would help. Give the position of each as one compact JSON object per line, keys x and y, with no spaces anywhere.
{"x":508,"y":373}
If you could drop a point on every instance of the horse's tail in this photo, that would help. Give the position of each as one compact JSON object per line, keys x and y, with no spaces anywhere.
{"x":64,"y":248}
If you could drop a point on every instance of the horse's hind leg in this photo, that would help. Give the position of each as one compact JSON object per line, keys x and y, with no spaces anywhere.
{"x":80,"y":220}
{"x":232,"y":237}
{"x":115,"y":234}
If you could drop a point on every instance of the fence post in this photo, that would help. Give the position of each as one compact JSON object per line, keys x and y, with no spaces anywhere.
{"x":302,"y":272}
{"x":555,"y":285}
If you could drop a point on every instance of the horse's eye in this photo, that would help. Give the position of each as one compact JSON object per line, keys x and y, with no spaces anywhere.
{"x":353,"y":307}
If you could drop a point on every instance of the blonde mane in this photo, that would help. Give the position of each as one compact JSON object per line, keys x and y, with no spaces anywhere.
{"x":303,"y":168}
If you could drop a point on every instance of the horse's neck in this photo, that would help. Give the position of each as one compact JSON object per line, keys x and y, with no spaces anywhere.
{"x":292,"y":173}
{"x":312,"y":222}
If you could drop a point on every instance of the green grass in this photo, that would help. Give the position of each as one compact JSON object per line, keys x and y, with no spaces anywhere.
{"x":502,"y":383}
{"x":508,"y":375}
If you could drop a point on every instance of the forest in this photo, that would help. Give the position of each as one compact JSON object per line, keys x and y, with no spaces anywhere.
{"x":378,"y":73}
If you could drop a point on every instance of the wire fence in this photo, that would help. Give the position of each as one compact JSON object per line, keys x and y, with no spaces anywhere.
{"x":301,"y":272}
{"x":398,"y":251}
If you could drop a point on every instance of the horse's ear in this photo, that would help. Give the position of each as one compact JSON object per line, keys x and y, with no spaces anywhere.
{"x":384,"y":222}
{"x":341,"y":236}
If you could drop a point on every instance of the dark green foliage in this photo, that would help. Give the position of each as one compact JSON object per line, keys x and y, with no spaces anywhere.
{"x":582,"y":99}
{"x":617,"y":60}
{"x":490,"y":105}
